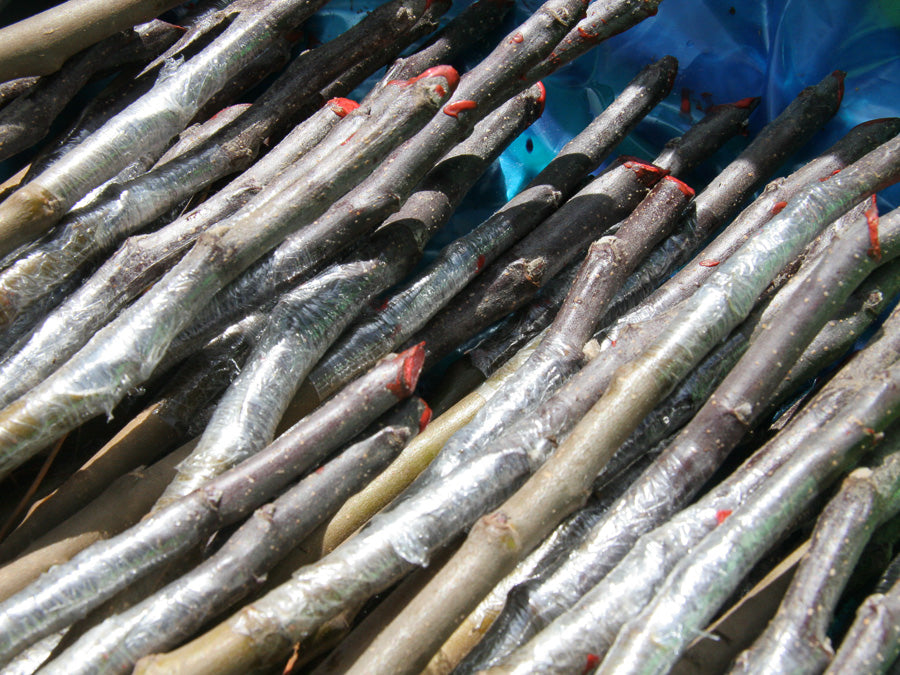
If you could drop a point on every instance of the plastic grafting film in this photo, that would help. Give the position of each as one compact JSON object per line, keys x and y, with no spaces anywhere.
{"x":545,"y":555}
{"x":94,"y":230}
{"x":592,"y":624}
{"x":154,"y":119}
{"x":97,"y":300}
{"x":395,"y":542}
{"x":521,"y":617}
{"x":302,"y":325}
{"x":543,"y":373}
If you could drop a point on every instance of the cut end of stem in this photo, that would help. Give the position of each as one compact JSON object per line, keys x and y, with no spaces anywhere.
{"x":453,"y":109}
{"x":686,"y":189}
{"x":643,"y":169}
{"x":542,"y":98}
{"x":447,"y":72}
{"x":750,"y":103}
{"x":342,"y":106}
{"x":839,"y":75}
{"x":872,"y":223}
{"x":425,"y":417}
{"x":412,"y":361}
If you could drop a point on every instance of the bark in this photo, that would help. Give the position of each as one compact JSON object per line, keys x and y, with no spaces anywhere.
{"x":126,"y":500}
{"x":720,"y":201}
{"x":558,"y":353}
{"x":602,"y":20}
{"x":409,"y":642}
{"x":470,"y":26}
{"x":133,"y":204}
{"x":873,"y":642}
{"x":530,"y":607}
{"x":120,"y":93}
{"x":865,"y":305}
{"x":27,"y":120}
{"x":857,"y":142}
{"x":353,"y":639}
{"x":470,"y":632}
{"x":12,"y":89}
{"x":424,"y":213}
{"x":133,"y":83}
{"x":179,"y":411}
{"x":148,"y":123}
{"x":522,"y":325}
{"x":746,"y":392}
{"x":584,"y":633}
{"x":382,"y":194}
{"x":560,"y":485}
{"x":699,"y":450}
{"x":81,"y":239}
{"x":414,"y":459}
{"x":717,"y":565}
{"x":625,"y":339}
{"x":384,"y":54}
{"x":313,"y":618}
{"x":100,"y":571}
{"x":301,"y":326}
{"x":515,"y":278}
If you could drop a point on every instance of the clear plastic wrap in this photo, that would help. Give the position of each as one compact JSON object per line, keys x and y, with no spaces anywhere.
{"x":151,"y":121}
{"x":126,"y":351}
{"x":604,"y":601}
{"x":394,"y":543}
{"x":774,"y":197}
{"x":92,"y":231}
{"x":735,"y":285}
{"x":424,"y":214}
{"x":522,"y":325}
{"x":514,"y":594}
{"x":726,"y":52}
{"x":367,"y":206}
{"x":546,"y":597}
{"x":96,"y":301}
{"x":409,"y":309}
{"x":724,"y":301}
{"x":300,"y":328}
{"x":699,"y":584}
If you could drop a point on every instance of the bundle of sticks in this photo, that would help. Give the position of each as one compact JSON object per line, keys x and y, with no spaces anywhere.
{"x":645,"y":396}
